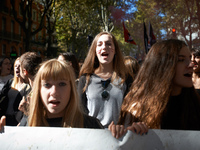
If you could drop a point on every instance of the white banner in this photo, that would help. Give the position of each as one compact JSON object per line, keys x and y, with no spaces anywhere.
{"x":49,"y":138}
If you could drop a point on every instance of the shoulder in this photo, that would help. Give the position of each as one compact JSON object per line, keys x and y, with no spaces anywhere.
{"x":91,"y":122}
{"x":82,"y":81}
{"x":10,"y":76}
{"x":10,"y":81}
{"x":83,"y":77}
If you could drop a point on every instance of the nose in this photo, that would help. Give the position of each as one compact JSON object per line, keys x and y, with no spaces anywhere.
{"x":193,"y":58}
{"x":53,"y":90}
{"x":104,"y":45}
{"x":191,"y":64}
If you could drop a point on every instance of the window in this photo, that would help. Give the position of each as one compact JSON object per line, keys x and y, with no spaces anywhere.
{"x":3,"y":50}
{"x":20,"y":10}
{"x":40,"y":36}
{"x":34,"y":15}
{"x":20,"y":51}
{"x":12,"y":28}
{"x":4,"y":24}
{"x":33,"y":29}
{"x":39,"y":17}
{"x":20,"y":31}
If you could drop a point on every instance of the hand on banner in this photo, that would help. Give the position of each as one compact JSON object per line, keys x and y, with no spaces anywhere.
{"x":136,"y":127}
{"x":2,"y":123}
{"x":117,"y":130}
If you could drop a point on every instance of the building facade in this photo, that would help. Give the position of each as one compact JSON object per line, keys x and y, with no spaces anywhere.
{"x":12,"y":34}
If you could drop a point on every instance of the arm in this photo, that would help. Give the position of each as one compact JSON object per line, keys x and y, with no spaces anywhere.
{"x":4,"y":98}
{"x":82,"y":95}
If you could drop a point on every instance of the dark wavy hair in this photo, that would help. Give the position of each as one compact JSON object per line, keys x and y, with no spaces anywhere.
{"x":195,"y":51}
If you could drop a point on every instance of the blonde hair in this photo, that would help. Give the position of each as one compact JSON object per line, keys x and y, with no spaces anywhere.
{"x":15,"y":78}
{"x":54,"y":70}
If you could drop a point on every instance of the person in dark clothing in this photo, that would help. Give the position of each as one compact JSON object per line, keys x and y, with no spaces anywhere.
{"x":30,"y":62}
{"x":196,"y":69}
{"x":11,"y":95}
{"x":162,"y":95}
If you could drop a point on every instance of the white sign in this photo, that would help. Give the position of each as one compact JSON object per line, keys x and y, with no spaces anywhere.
{"x":32,"y":138}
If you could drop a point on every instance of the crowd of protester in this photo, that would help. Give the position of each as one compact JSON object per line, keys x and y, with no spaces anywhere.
{"x":109,"y":91}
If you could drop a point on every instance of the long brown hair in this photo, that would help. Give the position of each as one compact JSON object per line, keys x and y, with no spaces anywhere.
{"x":91,"y":62}
{"x":54,"y":70}
{"x":151,"y":89}
{"x":132,"y":66}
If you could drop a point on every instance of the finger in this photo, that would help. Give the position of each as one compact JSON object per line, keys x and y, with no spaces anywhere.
{"x":145,"y":128}
{"x":28,"y":99}
{"x":21,"y":102}
{"x":139,"y":127}
{"x":21,"y":107}
{"x":122,"y":131}
{"x":110,"y":125}
{"x":2,"y":122}
{"x":118,"y":130}
{"x":113,"y":130}
{"x":132,"y":128}
{"x":142,"y":128}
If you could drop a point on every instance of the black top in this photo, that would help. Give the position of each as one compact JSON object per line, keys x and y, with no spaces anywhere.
{"x":182,"y":111}
{"x":89,"y":122}
{"x":172,"y":116}
{"x":6,"y":99}
{"x":54,"y":122}
{"x":198,"y":91}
